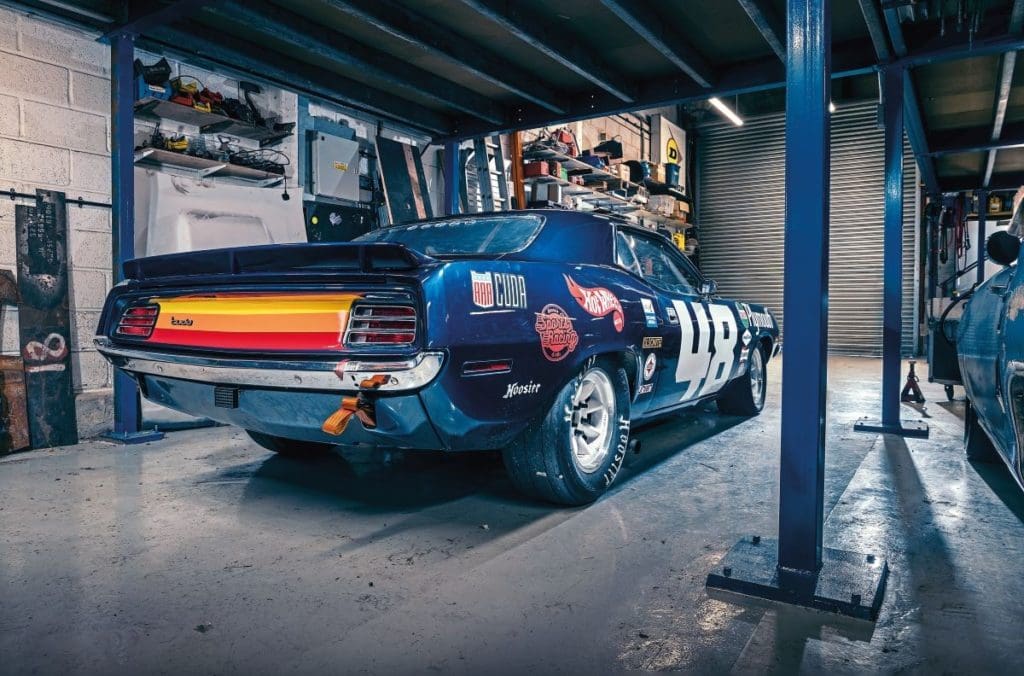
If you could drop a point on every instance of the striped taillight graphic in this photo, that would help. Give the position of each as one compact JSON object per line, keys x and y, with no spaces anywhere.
{"x":381,"y":325}
{"x":138,"y":321}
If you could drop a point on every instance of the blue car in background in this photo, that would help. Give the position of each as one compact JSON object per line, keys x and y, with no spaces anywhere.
{"x":545,"y":334}
{"x":990,"y":347}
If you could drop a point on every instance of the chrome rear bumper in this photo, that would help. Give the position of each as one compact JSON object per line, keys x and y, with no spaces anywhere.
{"x":336,"y":376}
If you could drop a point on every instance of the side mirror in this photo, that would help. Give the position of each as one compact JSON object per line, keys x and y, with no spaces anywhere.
{"x":1003,"y":248}
{"x":708,"y":287}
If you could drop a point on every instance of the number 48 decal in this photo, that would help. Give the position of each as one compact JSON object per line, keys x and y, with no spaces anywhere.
{"x":706,"y":356}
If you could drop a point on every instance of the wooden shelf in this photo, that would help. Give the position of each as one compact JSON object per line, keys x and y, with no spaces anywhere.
{"x":208,"y":123}
{"x":202,"y":168}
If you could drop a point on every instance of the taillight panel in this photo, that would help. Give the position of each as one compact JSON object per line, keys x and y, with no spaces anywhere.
{"x":383,"y":325}
{"x":138,"y":321}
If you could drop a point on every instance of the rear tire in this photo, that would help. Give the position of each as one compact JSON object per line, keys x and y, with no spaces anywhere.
{"x":745,"y":395}
{"x":290,"y":447}
{"x":574,"y":453}
{"x":976,"y":443}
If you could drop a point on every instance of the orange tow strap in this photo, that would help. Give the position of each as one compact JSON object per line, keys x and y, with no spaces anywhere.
{"x":360,"y":406}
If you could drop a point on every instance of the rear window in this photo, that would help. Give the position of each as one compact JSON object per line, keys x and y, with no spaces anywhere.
{"x":493,"y":235}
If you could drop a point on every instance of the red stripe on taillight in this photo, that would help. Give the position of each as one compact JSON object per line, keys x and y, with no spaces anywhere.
{"x":138,"y":321}
{"x":381,"y":325}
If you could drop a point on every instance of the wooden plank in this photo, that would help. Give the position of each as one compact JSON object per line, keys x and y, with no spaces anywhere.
{"x":13,"y":415}
{"x":44,"y":321}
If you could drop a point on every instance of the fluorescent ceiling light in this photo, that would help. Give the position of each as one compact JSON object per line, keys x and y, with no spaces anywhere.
{"x":726,"y":111}
{"x":831,"y":107}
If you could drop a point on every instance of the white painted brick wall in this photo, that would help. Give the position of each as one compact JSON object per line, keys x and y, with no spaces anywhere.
{"x":54,"y":133}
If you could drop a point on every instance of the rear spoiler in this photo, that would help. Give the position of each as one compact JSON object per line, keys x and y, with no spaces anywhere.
{"x":341,"y":257}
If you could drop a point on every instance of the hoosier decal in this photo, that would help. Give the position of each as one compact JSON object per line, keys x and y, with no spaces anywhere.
{"x":498,"y":289}
{"x":597,"y":301}
{"x":515,"y":389}
{"x":557,"y":336}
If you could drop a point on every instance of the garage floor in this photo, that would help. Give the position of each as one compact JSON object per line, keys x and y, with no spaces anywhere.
{"x":203,"y":552}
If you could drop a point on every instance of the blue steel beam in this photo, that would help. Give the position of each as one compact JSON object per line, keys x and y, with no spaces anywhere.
{"x":892,"y":246}
{"x":768,"y":24}
{"x":1006,"y":67}
{"x":670,"y":44}
{"x":876,"y":29}
{"x":450,"y":171}
{"x":911,"y":109}
{"x":313,"y":38}
{"x":127,"y":405}
{"x":805,"y":277}
{"x":975,"y":139}
{"x":1011,"y":180}
{"x":555,"y":44}
{"x":143,"y":15}
{"x":980,"y":243}
{"x":422,"y":34}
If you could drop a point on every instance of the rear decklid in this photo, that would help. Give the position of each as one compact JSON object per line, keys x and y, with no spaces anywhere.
{"x":305,"y":298}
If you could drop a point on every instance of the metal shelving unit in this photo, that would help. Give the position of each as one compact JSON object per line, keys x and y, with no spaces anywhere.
{"x":606,"y":199}
{"x":208,"y":123}
{"x":201,"y":167}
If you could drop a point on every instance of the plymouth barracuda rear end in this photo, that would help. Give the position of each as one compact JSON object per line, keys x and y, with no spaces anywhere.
{"x":543,"y":334}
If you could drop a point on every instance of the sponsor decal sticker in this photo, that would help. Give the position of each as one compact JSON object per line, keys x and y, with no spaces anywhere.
{"x":645,"y":389}
{"x":652,"y":342}
{"x":649,"y":365}
{"x":557,"y":336}
{"x":515,"y":389}
{"x":498,"y":289}
{"x":741,"y":308}
{"x":187,"y":321}
{"x":597,"y":301}
{"x":706,"y":356}
{"x":747,"y":337}
{"x":673,"y":318}
{"x":652,"y":319}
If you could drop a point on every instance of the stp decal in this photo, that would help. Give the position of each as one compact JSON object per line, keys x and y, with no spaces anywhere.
{"x":649,"y":366}
{"x":649,"y":316}
{"x":597,"y":301}
{"x":557,"y":336}
{"x":706,"y":347}
{"x":498,"y":289}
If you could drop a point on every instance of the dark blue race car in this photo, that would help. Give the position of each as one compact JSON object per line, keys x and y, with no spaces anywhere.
{"x":541,"y":333}
{"x":990,"y":346}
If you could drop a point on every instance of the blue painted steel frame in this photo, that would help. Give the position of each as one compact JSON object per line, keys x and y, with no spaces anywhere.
{"x":450,"y":169}
{"x":980,"y":244}
{"x":892,"y":256}
{"x":127,"y":405}
{"x":805,"y":296}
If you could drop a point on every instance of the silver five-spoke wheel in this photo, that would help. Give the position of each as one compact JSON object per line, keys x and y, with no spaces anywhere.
{"x":593,"y":407}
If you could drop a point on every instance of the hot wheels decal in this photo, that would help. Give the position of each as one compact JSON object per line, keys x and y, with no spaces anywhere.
{"x":498,"y":289}
{"x":649,"y":365}
{"x":597,"y":301}
{"x":557,"y":336}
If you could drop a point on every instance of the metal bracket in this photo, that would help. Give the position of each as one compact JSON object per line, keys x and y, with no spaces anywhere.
{"x":915,"y":429}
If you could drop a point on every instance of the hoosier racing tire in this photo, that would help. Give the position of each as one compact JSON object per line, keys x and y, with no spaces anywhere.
{"x":573,"y":454}
{"x":745,"y":395}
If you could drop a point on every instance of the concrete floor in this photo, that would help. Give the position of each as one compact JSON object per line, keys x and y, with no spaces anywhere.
{"x":203,"y":553}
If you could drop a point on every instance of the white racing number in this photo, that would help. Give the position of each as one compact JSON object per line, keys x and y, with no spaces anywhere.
{"x":706,"y":356}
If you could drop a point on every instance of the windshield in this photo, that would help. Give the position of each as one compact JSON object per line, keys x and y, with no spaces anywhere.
{"x":493,"y":235}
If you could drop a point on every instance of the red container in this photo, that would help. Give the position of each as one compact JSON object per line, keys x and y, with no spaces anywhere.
{"x":535,"y":169}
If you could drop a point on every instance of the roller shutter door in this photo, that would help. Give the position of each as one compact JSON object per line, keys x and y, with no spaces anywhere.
{"x":742,"y":211}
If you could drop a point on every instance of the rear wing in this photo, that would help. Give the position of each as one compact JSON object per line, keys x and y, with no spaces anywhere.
{"x":343,"y":257}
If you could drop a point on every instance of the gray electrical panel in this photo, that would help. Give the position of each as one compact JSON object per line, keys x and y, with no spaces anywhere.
{"x":335,"y":165}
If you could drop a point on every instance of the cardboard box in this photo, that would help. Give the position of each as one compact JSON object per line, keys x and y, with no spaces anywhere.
{"x":535,"y":169}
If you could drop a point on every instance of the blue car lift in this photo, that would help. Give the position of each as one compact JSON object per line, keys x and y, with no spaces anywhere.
{"x":893,"y":81}
{"x":797,"y":568}
{"x":127,"y":404}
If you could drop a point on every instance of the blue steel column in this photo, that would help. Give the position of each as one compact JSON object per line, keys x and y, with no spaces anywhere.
{"x":892,"y":257}
{"x":805,"y":298}
{"x":451,"y":178}
{"x":980,"y":244}
{"x":127,"y":406}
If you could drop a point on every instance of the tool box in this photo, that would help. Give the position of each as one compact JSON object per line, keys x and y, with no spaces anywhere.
{"x":536,"y":169}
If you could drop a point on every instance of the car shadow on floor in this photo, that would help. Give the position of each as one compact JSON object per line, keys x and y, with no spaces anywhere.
{"x":997,"y":475}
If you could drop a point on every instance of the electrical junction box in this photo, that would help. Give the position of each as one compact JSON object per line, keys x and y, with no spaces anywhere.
{"x":335,"y":167}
